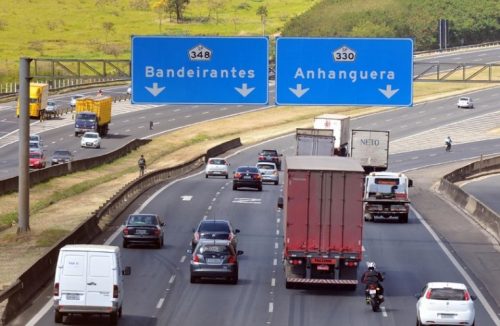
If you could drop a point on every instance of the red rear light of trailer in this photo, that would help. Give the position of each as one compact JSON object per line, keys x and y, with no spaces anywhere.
{"x":115,"y":291}
{"x":56,"y":289}
{"x":126,"y":231}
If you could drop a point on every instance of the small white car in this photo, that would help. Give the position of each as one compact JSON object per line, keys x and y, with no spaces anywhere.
{"x":445,"y":303}
{"x":74,"y":98}
{"x":129,"y":90}
{"x":269,"y":172}
{"x":91,"y":139}
{"x":217,"y":166}
{"x":465,"y":102}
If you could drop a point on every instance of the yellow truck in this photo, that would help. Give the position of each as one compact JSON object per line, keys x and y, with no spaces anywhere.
{"x":39,"y":94}
{"x":93,"y":114}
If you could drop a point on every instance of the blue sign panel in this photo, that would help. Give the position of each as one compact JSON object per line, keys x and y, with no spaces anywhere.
{"x":200,"y":70}
{"x":344,"y":71}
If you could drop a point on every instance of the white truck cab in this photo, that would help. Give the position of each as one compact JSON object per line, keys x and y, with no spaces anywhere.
{"x":89,"y":280}
{"x":386,"y":195}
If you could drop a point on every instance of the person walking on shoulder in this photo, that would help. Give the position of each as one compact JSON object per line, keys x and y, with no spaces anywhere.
{"x":142,"y":165}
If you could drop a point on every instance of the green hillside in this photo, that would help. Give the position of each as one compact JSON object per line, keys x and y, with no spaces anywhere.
{"x":102,"y":28}
{"x":470,"y":21}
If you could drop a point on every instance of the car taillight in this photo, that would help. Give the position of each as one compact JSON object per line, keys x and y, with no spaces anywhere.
{"x":237,"y":175}
{"x":466,"y":296}
{"x":351,"y":263}
{"x":126,"y":231}
{"x":115,"y":291}
{"x":196,"y":259}
{"x":56,"y":289}
{"x":261,"y":157}
{"x":295,"y":261}
{"x":230,"y":236}
{"x":197,"y":235}
{"x":157,"y":231}
{"x":257,"y":176}
{"x":428,"y":294}
{"x":401,"y":196}
{"x":231,"y":259}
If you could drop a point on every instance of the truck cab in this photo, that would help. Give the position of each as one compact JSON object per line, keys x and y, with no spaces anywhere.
{"x":386,"y":195}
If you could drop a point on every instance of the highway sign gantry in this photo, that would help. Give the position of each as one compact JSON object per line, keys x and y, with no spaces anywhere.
{"x":200,"y":70}
{"x":344,"y":71}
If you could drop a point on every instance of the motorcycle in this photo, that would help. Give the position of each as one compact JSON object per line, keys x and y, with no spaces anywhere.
{"x":373,"y":296}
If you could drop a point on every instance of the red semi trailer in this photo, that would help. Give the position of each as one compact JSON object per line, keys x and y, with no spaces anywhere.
{"x":323,"y":220}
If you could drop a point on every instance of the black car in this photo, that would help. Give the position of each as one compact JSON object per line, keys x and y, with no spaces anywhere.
{"x":61,"y":156}
{"x":248,"y":177}
{"x":214,"y":230}
{"x":215,"y":259}
{"x":143,"y":229}
{"x":270,"y":155}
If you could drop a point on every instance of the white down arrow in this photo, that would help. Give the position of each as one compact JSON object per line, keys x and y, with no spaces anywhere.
{"x":244,"y":90}
{"x":388,"y":91}
{"x":299,"y":91}
{"x":155,"y":90}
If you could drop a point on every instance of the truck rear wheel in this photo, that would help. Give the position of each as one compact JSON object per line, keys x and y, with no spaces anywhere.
{"x":368,"y":217}
{"x":403,"y":218}
{"x":113,"y":318}
{"x":58,"y":317}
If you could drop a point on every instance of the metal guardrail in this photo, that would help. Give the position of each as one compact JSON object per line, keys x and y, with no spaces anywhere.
{"x":36,"y":277}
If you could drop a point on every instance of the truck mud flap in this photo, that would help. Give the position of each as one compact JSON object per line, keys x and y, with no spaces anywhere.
{"x":321,"y":281}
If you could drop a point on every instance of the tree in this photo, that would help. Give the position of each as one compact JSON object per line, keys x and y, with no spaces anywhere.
{"x":177,"y":7}
{"x":262,"y":12}
{"x":216,"y":6}
{"x":160,"y":7}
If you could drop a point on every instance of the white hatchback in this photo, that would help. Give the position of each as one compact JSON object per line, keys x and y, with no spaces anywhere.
{"x":217,"y":166}
{"x":465,"y":102}
{"x":445,"y":303}
{"x":91,"y":139}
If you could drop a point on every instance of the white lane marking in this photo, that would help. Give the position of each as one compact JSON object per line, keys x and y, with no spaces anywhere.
{"x":186,"y":197}
{"x":125,"y":121}
{"x":177,"y":110}
{"x":384,"y":313}
{"x":278,"y":220}
{"x":171,"y":120}
{"x":214,"y":199}
{"x":363,"y":248}
{"x":276,"y":245}
{"x":160,"y":303}
{"x":461,"y":270}
{"x":415,"y":158}
{"x":140,"y":127}
{"x":277,"y":232}
{"x":271,"y":307}
{"x":206,"y":112}
{"x":210,"y":207}
{"x":273,"y":282}
{"x":433,"y":154}
{"x":172,"y":279}
{"x":187,"y":116}
{"x":257,"y":201}
{"x":183,"y":258}
{"x":275,"y":262}
{"x":223,"y":109}
{"x":127,"y":130}
{"x":433,"y":118}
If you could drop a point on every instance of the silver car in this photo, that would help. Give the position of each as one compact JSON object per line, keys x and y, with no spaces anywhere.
{"x":269,"y":172}
{"x":465,"y":102}
{"x":74,"y":98}
{"x":91,"y":139}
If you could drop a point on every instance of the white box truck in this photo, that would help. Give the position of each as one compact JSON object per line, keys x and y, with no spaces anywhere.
{"x":340,"y":125}
{"x":89,"y":280}
{"x":315,"y":141}
{"x":371,"y":149}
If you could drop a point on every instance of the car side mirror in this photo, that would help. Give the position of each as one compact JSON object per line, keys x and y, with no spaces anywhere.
{"x":280,"y":202}
{"x":281,"y":155}
{"x":194,"y":230}
{"x":473,"y":297}
{"x":162,"y":223}
{"x":410,"y":183}
{"x":236,"y":230}
{"x":127,"y":270}
{"x":417,"y":295}
{"x":240,"y":252}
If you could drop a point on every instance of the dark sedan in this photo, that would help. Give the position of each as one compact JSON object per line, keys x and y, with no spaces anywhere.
{"x":215,"y":259}
{"x":61,"y":156}
{"x":143,"y":229}
{"x":215,"y":230}
{"x":248,"y":177}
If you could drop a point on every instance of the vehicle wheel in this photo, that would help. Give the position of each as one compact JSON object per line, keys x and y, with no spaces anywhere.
{"x":58,"y":317}
{"x":206,"y":176}
{"x":98,"y":146}
{"x":419,"y":323}
{"x":120,"y":312}
{"x":351,"y":287}
{"x":226,"y":176}
{"x":276,"y":183}
{"x":113,"y":318}
{"x":368,"y":217}
{"x":259,"y":188}
{"x":289,"y":285}
{"x":76,"y":134}
{"x":125,"y":244}
{"x":403,"y":218}
{"x":193,"y":279}
{"x":159,"y":244}
{"x":234,"y":187}
{"x":374,"y":305}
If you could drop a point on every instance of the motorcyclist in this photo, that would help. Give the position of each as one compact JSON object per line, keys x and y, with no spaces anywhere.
{"x":448,"y":142}
{"x":372,"y":276}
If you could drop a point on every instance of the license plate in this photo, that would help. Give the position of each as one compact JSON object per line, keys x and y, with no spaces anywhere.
{"x":373,"y":291}
{"x":216,"y":172}
{"x":323,"y":267}
{"x":72,"y":296}
{"x":89,"y":144}
{"x":214,"y":261}
{"x":141,"y":232}
{"x":247,"y":177}
{"x":446,"y":315}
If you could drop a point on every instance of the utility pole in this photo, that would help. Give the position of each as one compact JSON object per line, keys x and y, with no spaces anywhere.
{"x":23,"y":225}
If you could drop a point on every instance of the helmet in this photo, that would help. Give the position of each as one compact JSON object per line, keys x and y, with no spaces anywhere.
{"x":371,"y":265}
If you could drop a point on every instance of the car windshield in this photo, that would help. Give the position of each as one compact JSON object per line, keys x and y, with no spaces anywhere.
{"x":34,"y":145}
{"x":266,"y":166}
{"x":466,"y":99}
{"x":86,"y":116}
{"x":62,"y":153}
{"x":447,"y":294}
{"x":142,"y":220}
{"x":214,"y":249}
{"x":248,"y":169}
{"x":211,"y":227}
{"x":217,"y":162}
{"x":34,"y":138}
{"x":90,"y":135}
{"x":268,"y":152}
{"x":35,"y":155}
{"x":51,"y":103}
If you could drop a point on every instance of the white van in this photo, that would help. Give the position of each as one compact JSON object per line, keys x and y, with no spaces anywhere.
{"x":89,"y":280}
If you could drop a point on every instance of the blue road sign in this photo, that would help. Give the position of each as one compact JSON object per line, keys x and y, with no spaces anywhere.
{"x":344,"y":71}
{"x":200,"y":70}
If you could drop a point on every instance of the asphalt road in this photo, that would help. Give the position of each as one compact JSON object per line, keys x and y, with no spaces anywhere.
{"x":485,"y":189}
